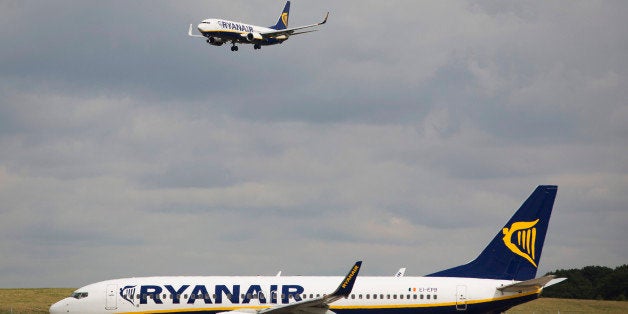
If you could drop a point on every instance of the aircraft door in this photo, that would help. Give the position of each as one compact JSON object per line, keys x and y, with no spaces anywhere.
{"x":461,"y":298}
{"x":111,"y":297}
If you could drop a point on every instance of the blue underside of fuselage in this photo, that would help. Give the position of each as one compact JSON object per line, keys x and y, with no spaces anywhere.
{"x":228,"y":37}
{"x":477,"y":308}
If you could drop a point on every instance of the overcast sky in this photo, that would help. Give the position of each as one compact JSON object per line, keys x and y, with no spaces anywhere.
{"x":403,"y":133}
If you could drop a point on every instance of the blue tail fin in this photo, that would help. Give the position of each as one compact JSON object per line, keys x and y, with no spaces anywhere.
{"x":283,"y":19}
{"x":515,"y":251}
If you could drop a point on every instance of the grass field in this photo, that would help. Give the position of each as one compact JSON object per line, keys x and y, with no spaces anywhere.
{"x":564,"y":306}
{"x":39,"y":300}
{"x":30,"y":300}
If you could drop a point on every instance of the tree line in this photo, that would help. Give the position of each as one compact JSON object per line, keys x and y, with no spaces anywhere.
{"x":590,"y":282}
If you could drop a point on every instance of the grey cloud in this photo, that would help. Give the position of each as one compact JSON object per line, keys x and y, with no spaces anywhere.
{"x":120,"y":134}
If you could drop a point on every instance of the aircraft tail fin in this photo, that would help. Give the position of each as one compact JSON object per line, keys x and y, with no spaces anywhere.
{"x":282,"y":23}
{"x":515,"y":251}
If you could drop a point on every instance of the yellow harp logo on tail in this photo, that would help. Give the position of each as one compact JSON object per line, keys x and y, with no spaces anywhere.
{"x":526,"y":239}
{"x":284,"y":18}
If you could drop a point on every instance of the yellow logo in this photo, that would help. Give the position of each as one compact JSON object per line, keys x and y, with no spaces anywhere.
{"x":526,"y":239}
{"x":284,"y":18}
{"x":350,"y":276}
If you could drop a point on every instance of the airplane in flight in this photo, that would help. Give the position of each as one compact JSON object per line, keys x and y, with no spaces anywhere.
{"x":219,"y":31}
{"x":502,"y":276}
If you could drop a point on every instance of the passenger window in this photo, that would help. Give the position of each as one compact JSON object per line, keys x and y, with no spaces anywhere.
{"x":428,"y":296}
{"x":434,"y":297}
{"x":421,"y":297}
{"x":401,"y":296}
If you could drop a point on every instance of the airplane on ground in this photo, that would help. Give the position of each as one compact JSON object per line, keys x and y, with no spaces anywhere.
{"x":502,"y":276}
{"x":219,"y":31}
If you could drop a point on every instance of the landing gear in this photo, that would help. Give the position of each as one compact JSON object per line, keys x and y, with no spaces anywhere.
{"x":234,"y":48}
{"x":257,"y":46}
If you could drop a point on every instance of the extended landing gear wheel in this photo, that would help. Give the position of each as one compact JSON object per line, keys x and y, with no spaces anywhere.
{"x":234,"y":48}
{"x":257,"y":46}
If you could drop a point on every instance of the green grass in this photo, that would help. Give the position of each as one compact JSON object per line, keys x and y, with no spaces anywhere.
{"x":565,"y":306}
{"x":30,"y":300}
{"x":39,"y":301}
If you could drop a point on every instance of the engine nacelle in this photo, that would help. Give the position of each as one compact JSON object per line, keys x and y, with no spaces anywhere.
{"x":254,"y":36}
{"x":215,"y":41}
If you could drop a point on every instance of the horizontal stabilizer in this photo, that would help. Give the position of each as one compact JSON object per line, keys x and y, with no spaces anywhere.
{"x":554,"y":281}
{"x":532,"y":284}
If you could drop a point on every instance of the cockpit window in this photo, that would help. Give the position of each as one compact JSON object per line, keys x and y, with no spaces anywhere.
{"x":79,"y":295}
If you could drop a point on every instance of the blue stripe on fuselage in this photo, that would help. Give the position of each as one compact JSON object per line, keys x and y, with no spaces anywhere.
{"x":228,"y":36}
{"x":472,"y":308}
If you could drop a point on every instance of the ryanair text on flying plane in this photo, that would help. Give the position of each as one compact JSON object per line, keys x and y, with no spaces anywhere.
{"x":235,"y":26}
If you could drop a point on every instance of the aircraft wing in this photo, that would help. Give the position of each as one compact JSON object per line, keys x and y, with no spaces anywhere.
{"x":292,"y":31}
{"x":318,"y":305}
{"x":532,"y":284}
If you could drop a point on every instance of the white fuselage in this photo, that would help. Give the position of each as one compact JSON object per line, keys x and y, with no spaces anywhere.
{"x":220,"y":294}
{"x":230,"y":31}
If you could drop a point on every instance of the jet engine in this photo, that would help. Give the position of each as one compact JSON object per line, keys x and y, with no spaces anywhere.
{"x":254,"y":36}
{"x":215,"y":41}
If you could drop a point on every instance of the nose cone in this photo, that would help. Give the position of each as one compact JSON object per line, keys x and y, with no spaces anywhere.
{"x":59,"y":307}
{"x":201,"y":27}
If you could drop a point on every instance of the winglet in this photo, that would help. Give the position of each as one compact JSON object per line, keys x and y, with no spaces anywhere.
{"x":192,"y":35}
{"x":325,"y":20}
{"x":345,"y":287}
{"x":315,"y":305}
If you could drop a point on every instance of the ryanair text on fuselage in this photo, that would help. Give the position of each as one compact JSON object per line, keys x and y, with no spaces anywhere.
{"x":235,"y":26}
{"x":220,"y":294}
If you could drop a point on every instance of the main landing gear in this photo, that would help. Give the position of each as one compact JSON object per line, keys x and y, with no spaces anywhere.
{"x":234,"y":48}
{"x":257,"y":46}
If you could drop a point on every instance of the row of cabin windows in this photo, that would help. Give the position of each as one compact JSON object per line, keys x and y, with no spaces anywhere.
{"x":303,"y":296}
{"x":394,"y":296}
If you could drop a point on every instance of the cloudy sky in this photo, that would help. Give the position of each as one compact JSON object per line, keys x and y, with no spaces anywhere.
{"x":403,"y":133}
